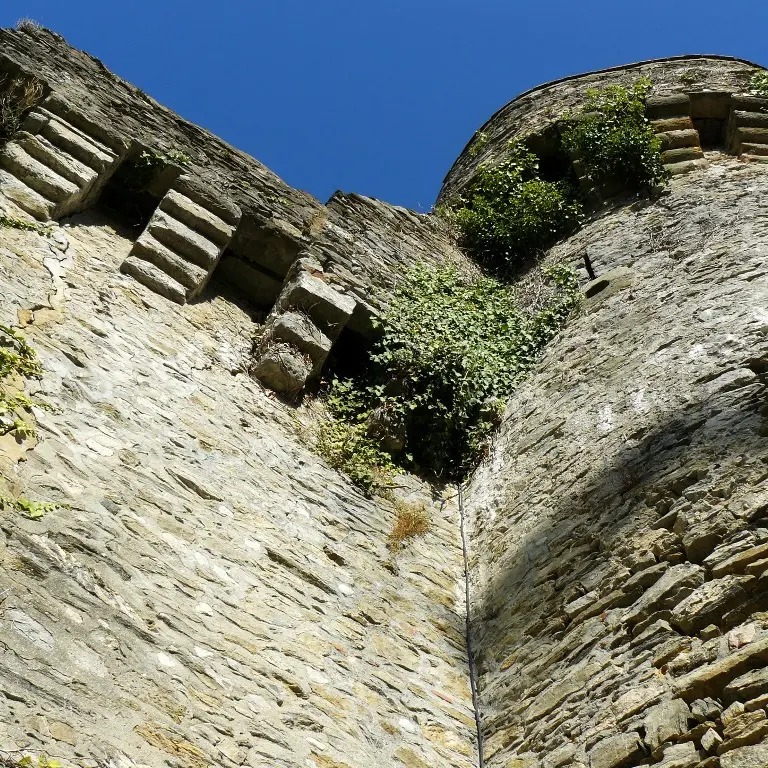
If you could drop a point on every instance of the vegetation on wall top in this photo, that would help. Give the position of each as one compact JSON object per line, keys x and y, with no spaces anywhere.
{"x":758,"y":84}
{"x":509,"y":212}
{"x":613,"y":138}
{"x":452,"y":349}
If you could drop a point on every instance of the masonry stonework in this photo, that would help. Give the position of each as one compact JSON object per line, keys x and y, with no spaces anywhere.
{"x":209,"y":592}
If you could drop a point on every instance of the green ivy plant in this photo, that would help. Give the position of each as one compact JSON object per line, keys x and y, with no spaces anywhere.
{"x":451,"y":351}
{"x":509,"y":212}
{"x":34,"y":510}
{"x":16,"y":358}
{"x":345,"y":444}
{"x":613,"y":138}
{"x":758,"y":84}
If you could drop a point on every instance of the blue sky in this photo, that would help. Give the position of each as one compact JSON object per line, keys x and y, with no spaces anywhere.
{"x":375,"y":97}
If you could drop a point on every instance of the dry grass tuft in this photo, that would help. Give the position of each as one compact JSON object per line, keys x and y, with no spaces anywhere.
{"x":412,"y":520}
{"x":17,"y":96}
{"x":26,"y":24}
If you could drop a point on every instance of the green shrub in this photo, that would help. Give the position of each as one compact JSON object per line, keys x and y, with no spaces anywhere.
{"x":509,"y":212}
{"x":451,"y":352}
{"x":758,"y":84}
{"x":613,"y":137}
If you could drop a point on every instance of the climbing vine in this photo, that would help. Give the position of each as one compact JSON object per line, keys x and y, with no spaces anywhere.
{"x":451,"y":351}
{"x":758,"y":84}
{"x":613,"y":138}
{"x":509,"y":212}
{"x":17,"y":358}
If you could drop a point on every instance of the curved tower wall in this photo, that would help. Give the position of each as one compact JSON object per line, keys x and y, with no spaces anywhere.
{"x":619,"y":530}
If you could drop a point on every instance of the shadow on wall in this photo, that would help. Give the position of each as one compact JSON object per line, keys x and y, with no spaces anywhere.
{"x":648,"y":487}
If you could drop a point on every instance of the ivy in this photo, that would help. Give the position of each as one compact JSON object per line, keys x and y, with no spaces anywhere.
{"x":758,"y":84}
{"x":451,"y":351}
{"x":347,"y":447}
{"x":17,"y":358}
{"x":509,"y":212}
{"x":613,"y":138}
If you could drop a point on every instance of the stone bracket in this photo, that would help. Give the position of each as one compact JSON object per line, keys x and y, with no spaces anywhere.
{"x":181,"y":245}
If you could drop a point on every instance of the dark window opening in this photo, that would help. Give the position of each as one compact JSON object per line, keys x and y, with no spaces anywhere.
{"x":135,"y":189}
{"x":350,"y":355}
{"x":711,"y":131}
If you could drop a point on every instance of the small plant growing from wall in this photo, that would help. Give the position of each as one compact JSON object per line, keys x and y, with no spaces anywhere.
{"x":509,"y":212}
{"x":18,"y":95}
{"x":412,"y":520}
{"x":345,"y":444}
{"x":613,"y":138}
{"x":758,"y":84}
{"x":17,"y":359}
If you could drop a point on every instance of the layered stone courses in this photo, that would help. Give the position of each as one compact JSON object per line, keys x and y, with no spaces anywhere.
{"x":181,"y":246}
{"x":213,"y":594}
{"x":683,"y":87}
{"x":618,"y":569}
{"x":54,"y":167}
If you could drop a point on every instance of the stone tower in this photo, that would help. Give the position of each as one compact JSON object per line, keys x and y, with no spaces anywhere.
{"x":205,"y":591}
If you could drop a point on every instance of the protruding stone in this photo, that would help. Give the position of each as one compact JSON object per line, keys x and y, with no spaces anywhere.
{"x":282,"y":368}
{"x":297,"y":329}
{"x":616,"y":751}
{"x":711,"y":740}
{"x":676,"y":584}
{"x":709,"y":602}
{"x":706,"y":709}
{"x":712,"y":678}
{"x":329,"y":309}
{"x":666,"y":721}
{"x":748,"y":686}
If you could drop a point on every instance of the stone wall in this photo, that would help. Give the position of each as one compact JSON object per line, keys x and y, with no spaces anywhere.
{"x":212,"y":594}
{"x":207,"y":591}
{"x":619,"y":531}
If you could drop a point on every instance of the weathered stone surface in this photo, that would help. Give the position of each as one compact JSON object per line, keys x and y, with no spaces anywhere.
{"x":746,"y":757}
{"x":553,"y":519}
{"x":215,"y":593}
{"x":666,"y":721}
{"x":532,"y":112}
{"x":711,"y":740}
{"x":676,"y":583}
{"x":748,"y":686}
{"x":297,"y":329}
{"x":710,"y":602}
{"x":329,"y":309}
{"x":283,"y":368}
{"x":680,"y":756}
{"x":615,"y":752}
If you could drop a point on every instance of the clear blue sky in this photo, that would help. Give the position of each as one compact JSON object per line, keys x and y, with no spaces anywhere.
{"x":368,"y":96}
